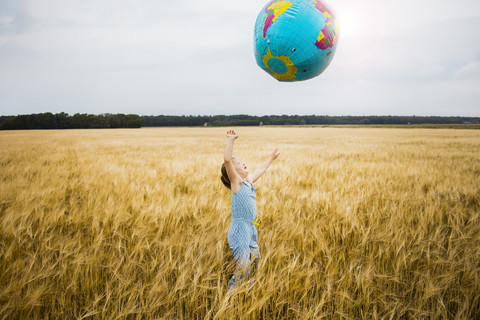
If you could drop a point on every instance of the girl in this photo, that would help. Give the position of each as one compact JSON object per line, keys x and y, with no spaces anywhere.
{"x":242,"y":234}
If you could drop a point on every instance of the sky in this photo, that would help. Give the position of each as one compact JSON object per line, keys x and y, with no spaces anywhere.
{"x":194,"y":57}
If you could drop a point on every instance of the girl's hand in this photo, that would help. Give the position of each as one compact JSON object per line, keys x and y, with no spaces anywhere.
{"x":232,"y":134}
{"x":275,"y":154}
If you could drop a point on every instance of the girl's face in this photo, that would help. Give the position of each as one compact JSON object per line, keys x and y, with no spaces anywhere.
{"x":241,"y":168}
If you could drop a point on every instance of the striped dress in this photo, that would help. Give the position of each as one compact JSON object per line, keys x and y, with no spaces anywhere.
{"x":242,"y":234}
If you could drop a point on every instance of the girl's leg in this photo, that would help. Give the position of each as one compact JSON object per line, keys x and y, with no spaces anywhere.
{"x":242,"y":260}
{"x":254,"y":266}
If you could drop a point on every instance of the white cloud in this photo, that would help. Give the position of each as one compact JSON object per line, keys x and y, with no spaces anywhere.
{"x":14,"y":17}
{"x":431,"y":70}
{"x":468,"y":71}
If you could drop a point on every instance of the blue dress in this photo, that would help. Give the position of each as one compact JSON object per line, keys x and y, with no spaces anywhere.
{"x":242,"y":234}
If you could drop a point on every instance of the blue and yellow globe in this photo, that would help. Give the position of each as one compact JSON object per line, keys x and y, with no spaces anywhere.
{"x":295,"y":40}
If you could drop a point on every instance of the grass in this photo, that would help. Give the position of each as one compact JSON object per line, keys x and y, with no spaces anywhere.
{"x":132,"y":224}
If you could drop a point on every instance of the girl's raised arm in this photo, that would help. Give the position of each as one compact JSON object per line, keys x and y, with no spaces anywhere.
{"x":233,"y":176}
{"x":263,"y":168}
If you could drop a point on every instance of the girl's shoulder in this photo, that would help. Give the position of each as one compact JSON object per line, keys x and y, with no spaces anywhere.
{"x":245,"y":183}
{"x":249,"y":180}
{"x":248,"y":183}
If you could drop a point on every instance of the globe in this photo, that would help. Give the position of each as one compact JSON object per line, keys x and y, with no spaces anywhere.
{"x":295,"y":40}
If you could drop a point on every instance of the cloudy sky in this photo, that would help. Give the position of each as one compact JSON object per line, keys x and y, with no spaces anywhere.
{"x":150,"y":57}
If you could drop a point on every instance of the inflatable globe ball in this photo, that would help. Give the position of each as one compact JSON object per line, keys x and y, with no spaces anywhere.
{"x":295,"y":40}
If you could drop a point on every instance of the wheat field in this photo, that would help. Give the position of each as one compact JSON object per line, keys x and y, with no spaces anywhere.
{"x":132,"y":224}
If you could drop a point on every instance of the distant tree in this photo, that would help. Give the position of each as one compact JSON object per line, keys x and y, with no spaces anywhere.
{"x":64,"y":121}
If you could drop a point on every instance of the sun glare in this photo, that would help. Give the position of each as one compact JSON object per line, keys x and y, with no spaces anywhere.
{"x":362,"y":29}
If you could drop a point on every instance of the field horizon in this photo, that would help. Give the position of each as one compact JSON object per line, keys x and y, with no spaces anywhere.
{"x":355,"y":223}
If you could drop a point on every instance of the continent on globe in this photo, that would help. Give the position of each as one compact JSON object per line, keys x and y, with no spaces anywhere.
{"x":282,"y":67}
{"x":274,"y":9}
{"x":328,"y":35}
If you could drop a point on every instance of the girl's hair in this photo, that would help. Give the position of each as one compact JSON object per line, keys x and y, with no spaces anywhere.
{"x":224,"y":177}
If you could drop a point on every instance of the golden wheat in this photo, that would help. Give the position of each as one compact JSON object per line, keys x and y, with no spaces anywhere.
{"x":132,"y":224}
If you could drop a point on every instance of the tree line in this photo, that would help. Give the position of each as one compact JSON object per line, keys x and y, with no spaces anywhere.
{"x":80,"y":121}
{"x":246,"y":120}
{"x":64,"y":121}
